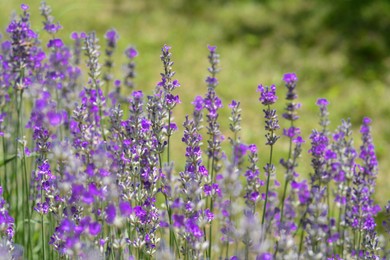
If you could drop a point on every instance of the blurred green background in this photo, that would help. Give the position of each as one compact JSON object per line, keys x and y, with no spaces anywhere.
{"x":340,"y":50}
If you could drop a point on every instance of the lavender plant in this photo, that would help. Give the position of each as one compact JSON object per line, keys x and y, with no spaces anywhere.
{"x":89,"y":179}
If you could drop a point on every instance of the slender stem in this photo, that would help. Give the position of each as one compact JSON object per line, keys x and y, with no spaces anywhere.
{"x":26,"y":220}
{"x":267,"y":187}
{"x":5,"y":183}
{"x":43,"y":235}
{"x":159,"y":160}
{"x":246,"y":251}
{"x":283,"y":198}
{"x":227,"y":249}
{"x":230,"y":220}
{"x":172,"y":238}
{"x":287,"y":180}
{"x":205,"y":240}
{"x":169,"y":135}
{"x":328,"y":200}
{"x":220,"y":254}
{"x":101,"y":123}
{"x":359,"y":241}
{"x":281,"y":214}
{"x":300,"y":222}
{"x":211,"y":207}
{"x":341,"y":233}
{"x":301,"y":243}
{"x":58,"y":102}
{"x":15,"y":175}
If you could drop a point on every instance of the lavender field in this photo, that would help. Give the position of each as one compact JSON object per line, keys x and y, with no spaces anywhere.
{"x":95,"y":166}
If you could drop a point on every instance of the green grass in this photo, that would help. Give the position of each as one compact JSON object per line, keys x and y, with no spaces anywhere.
{"x":258,"y":41}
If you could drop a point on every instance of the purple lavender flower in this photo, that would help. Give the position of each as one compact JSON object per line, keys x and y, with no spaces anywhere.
{"x":292,"y":132}
{"x":130,"y":74}
{"x":319,"y":145}
{"x":235,"y":124}
{"x":212,"y":103}
{"x":54,"y":118}
{"x":361,"y":212}
{"x":24,"y":7}
{"x":212,"y":48}
{"x":56,"y":43}
{"x":131,"y":53}
{"x":386,"y":221}
{"x":78,"y":38}
{"x":212,"y":81}
{"x":49,"y":25}
{"x":267,"y":94}
{"x":324,"y":121}
{"x":95,"y":228}
{"x":265,"y":256}
{"x":322,"y":102}
{"x":125,"y":208}
{"x":100,"y":184}
{"x":198,"y":108}
{"x":110,"y":213}
{"x":290,"y":78}
{"x":25,"y":55}
{"x":252,"y":188}
{"x":302,"y":190}
{"x":267,"y":98}
{"x":111,"y":39}
{"x":6,"y":221}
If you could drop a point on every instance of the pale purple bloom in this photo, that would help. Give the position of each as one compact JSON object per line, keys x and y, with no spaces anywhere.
{"x":24,"y":7}
{"x":95,"y":228}
{"x":54,"y":118}
{"x":212,"y":48}
{"x":290,"y":78}
{"x":166,"y":48}
{"x":267,"y":94}
{"x":131,"y":52}
{"x":125,"y":208}
{"x":252,"y":148}
{"x":112,"y":37}
{"x":57,"y":43}
{"x":198,"y":103}
{"x":322,"y":102}
{"x":110,"y":213}
{"x":209,"y":215}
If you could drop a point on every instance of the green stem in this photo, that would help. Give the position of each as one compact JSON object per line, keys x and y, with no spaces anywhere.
{"x":211,"y":209}
{"x":5,"y":183}
{"x":246,"y":251}
{"x":283,"y":198}
{"x":172,"y":238}
{"x":359,"y":241}
{"x":301,"y":244}
{"x":287,"y":180}
{"x":43,"y":236}
{"x":267,"y":187}
{"x":26,"y":220}
{"x":227,"y":249}
{"x":341,"y":232}
{"x":169,"y":135}
{"x":16,"y":170}
{"x":328,"y":200}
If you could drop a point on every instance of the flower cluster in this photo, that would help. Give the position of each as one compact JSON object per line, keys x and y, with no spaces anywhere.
{"x":89,"y":170}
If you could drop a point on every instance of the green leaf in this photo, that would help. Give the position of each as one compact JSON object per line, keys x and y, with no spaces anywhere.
{"x":7,"y":160}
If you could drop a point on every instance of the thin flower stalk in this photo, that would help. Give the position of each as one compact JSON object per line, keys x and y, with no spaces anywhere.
{"x":267,"y":98}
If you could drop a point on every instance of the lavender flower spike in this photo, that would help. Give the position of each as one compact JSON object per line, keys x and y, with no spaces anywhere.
{"x":267,"y":94}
